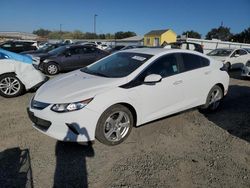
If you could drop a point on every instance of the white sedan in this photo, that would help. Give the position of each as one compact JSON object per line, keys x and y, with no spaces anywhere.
{"x":232,"y":58}
{"x":129,"y":88}
{"x":17,"y":74}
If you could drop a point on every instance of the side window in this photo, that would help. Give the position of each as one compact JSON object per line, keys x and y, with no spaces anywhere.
{"x":19,"y":45}
{"x":164,"y":66}
{"x":88,"y":50}
{"x":191,"y":62}
{"x":7,"y":45}
{"x":242,"y":52}
{"x":183,"y":46}
{"x":191,"y":46}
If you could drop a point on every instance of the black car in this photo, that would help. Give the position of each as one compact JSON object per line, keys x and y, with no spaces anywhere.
{"x":44,"y":49}
{"x":18,"y":46}
{"x":187,"y":46}
{"x":67,"y":58}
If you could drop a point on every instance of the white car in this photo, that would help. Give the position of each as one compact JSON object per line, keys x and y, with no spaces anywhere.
{"x":246,"y":70}
{"x":129,"y":88}
{"x":232,"y":58}
{"x":17,"y":74}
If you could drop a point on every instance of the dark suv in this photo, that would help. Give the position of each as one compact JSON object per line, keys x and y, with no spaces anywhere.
{"x":18,"y":46}
{"x":67,"y":58}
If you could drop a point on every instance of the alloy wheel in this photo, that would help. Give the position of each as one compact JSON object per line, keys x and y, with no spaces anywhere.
{"x":116,"y":126}
{"x":10,"y":86}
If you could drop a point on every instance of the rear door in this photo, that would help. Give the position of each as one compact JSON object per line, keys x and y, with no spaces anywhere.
{"x":71,"y":58}
{"x":196,"y":76}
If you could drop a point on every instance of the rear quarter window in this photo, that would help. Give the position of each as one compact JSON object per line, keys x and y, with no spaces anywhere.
{"x":192,"y":61}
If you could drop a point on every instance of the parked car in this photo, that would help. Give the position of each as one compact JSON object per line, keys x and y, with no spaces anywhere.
{"x":246,"y":70}
{"x":67,"y":58}
{"x":232,"y":58}
{"x":185,"y":46}
{"x":45,"y":49}
{"x":129,"y":88}
{"x":17,"y":74}
{"x":18,"y":46}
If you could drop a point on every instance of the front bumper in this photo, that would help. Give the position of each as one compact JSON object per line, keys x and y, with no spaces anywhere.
{"x":245,"y":71}
{"x":76,"y":126}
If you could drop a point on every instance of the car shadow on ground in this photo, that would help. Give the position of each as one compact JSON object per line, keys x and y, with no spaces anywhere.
{"x":236,"y":74}
{"x":234,"y":112}
{"x":15,"y":168}
{"x":71,"y":167}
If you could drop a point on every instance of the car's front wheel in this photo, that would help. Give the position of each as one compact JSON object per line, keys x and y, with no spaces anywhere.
{"x":114,"y":125}
{"x":213,"y":99}
{"x":10,"y":86}
{"x":52,"y":68}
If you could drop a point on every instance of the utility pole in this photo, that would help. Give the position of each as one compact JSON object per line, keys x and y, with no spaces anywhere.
{"x":95,"y":23}
{"x":60,"y":31}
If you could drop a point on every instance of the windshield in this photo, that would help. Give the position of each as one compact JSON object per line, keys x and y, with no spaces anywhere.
{"x":117,"y":65}
{"x":57,"y":51}
{"x":247,"y":49}
{"x":220,"y":52}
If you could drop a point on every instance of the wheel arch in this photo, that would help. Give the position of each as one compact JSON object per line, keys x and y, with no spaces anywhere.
{"x":221,"y":86}
{"x":132,"y":110}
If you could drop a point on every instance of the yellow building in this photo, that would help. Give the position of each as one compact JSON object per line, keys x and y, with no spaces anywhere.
{"x":158,"y":37}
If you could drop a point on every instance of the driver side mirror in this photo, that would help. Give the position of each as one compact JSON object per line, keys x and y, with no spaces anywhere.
{"x":237,"y":55}
{"x":152,"y":79}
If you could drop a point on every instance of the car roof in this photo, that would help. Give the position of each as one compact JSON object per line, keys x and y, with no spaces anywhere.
{"x":150,"y":51}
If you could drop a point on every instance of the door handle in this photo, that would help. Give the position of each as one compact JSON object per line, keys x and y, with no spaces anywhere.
{"x":178,"y":82}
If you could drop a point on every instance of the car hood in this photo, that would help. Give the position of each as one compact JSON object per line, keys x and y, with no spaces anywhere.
{"x":75,"y":86}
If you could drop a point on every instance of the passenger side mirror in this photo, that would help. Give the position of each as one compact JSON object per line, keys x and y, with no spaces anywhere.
{"x":152,"y":78}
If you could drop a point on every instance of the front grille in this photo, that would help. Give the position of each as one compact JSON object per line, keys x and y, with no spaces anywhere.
{"x":38,"y":122}
{"x":38,"y":105}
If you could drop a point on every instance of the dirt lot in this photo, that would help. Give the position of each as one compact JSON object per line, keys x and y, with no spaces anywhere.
{"x":190,"y":149}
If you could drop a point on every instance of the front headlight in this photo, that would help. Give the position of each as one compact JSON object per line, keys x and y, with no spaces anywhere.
{"x":69,"y":107}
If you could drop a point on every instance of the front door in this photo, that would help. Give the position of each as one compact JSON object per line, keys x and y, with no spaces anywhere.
{"x":162,"y":98}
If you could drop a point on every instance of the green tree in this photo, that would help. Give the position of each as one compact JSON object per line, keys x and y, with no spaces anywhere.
{"x":42,"y":32}
{"x":242,"y":37}
{"x":122,"y":35}
{"x":192,"y":34}
{"x":221,"y":33}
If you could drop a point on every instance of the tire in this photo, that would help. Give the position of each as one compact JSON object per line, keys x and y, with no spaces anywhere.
{"x":52,"y":68}
{"x":10,"y":86}
{"x":109,"y":130}
{"x":213,"y":100}
{"x":228,"y":66}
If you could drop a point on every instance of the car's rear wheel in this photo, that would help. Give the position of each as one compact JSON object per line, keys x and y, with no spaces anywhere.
{"x":114,"y":125}
{"x":213,"y":99}
{"x":10,"y":86}
{"x":52,"y":68}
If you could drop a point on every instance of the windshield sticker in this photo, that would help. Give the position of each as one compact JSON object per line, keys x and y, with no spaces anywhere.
{"x":139,"y":58}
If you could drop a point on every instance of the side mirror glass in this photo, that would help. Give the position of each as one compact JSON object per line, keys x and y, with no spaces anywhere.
{"x":152,"y":78}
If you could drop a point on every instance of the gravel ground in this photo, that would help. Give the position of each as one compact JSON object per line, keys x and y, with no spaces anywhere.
{"x":189,"y":149}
